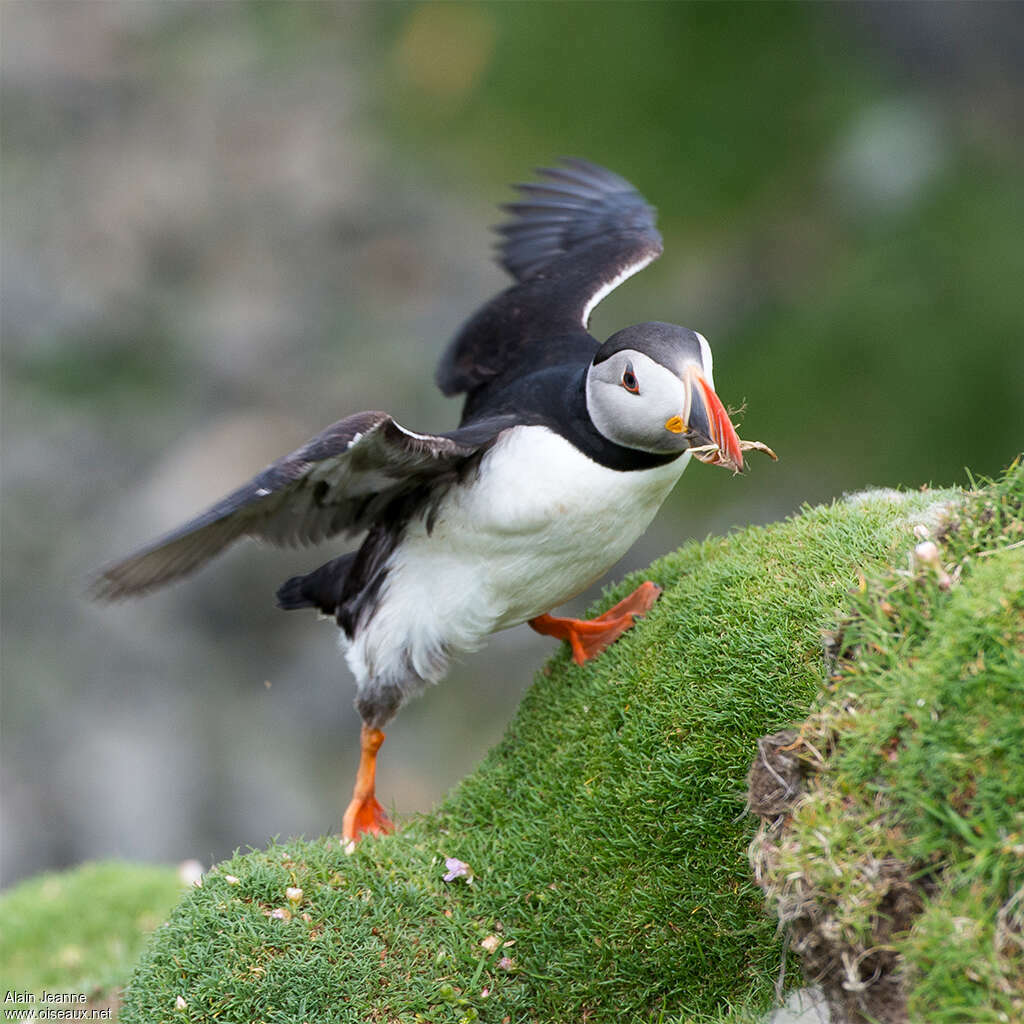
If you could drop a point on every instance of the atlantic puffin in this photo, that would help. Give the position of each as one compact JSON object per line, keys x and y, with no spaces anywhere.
{"x":565,"y":451}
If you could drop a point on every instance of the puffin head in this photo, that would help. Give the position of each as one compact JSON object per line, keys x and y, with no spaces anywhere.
{"x":650,"y":387}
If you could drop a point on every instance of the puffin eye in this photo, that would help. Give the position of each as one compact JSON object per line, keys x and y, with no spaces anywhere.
{"x":629,"y":381}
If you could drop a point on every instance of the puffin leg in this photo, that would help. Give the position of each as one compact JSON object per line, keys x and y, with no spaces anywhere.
{"x":589,"y":637}
{"x":364,"y":813}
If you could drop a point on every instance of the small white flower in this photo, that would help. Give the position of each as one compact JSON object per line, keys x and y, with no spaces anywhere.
{"x":457,"y":869}
{"x":927,"y":554}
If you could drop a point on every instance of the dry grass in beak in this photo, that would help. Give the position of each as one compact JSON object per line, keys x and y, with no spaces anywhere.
{"x":712,"y":454}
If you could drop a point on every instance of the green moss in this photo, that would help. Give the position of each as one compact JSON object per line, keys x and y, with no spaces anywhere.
{"x":902,"y":864}
{"x":81,"y":930}
{"x":605,"y":833}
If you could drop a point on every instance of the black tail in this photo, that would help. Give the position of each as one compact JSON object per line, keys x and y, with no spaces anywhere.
{"x":320,"y":589}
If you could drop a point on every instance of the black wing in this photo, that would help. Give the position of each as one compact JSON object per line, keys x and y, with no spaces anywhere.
{"x":337,"y":483}
{"x":573,"y":238}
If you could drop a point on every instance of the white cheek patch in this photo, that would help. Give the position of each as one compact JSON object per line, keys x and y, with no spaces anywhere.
{"x":637,"y":420}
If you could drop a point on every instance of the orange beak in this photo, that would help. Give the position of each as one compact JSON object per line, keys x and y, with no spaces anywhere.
{"x":710,"y":424}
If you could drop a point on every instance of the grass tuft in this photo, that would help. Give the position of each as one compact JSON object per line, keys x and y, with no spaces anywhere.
{"x":895,"y":849}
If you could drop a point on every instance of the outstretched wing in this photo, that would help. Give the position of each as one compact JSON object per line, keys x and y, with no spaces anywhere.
{"x":575,"y":236}
{"x":337,"y":483}
{"x":577,"y":206}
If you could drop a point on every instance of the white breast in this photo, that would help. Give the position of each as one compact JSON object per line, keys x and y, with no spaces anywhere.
{"x":538,"y":524}
{"x":551,"y":520}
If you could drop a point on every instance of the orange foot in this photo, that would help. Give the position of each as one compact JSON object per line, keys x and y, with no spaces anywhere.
{"x":364,"y":813}
{"x":589,"y":637}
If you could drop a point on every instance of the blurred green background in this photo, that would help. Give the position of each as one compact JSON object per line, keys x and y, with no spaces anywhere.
{"x":225,"y":225}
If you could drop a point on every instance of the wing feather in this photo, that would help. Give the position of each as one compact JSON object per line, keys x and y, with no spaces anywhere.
{"x":336,"y":483}
{"x":573,"y":237}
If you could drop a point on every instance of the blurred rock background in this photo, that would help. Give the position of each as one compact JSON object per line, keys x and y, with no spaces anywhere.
{"x":225,"y":225}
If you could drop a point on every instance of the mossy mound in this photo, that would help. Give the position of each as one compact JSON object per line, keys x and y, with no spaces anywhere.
{"x":81,"y":930}
{"x":894,"y":842}
{"x":605,"y":834}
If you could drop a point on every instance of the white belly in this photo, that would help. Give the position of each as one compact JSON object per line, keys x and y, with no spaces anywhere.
{"x":539,"y":524}
{"x":544,"y":537}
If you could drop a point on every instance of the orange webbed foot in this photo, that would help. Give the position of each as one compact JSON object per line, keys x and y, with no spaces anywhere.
{"x":589,"y":637}
{"x":364,"y":814}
